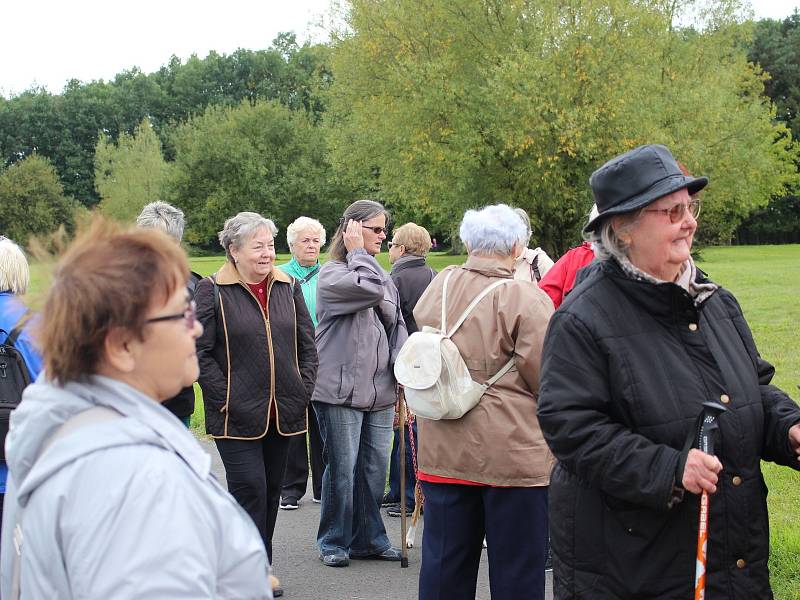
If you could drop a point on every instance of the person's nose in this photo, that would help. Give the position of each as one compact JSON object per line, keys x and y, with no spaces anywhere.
{"x":197,"y":330}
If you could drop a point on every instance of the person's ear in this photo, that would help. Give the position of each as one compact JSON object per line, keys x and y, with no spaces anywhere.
{"x":120,"y":348}
{"x":616,"y":225}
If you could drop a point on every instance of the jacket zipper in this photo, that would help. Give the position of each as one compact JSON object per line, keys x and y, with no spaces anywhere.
{"x":268,"y":329}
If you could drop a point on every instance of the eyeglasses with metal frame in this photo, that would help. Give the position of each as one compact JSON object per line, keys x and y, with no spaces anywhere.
{"x":678,"y":212}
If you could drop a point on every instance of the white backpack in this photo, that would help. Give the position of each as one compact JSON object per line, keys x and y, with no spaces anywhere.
{"x":429,"y":366}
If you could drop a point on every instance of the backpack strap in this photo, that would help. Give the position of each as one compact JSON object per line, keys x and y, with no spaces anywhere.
{"x":12,"y":337}
{"x":485,"y":292}
{"x":96,"y":414}
{"x":506,"y":368}
{"x":213,"y":280}
{"x":537,"y":276}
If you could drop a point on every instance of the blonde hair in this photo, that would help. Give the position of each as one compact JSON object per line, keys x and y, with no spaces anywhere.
{"x":414,"y":238}
{"x":15,"y":276}
{"x":299,"y":225}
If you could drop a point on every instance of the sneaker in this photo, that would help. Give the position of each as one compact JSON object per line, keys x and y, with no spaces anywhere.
{"x":548,"y":563}
{"x":387,"y":501}
{"x":316,"y":501}
{"x":290,"y":503}
{"x":395,"y":511}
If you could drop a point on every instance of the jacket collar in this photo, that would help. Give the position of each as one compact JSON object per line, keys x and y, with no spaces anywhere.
{"x":487,"y":266}
{"x":407,"y":261}
{"x":229,"y":275}
{"x":663,"y":299}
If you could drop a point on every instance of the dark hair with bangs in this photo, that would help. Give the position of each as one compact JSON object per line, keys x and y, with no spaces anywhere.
{"x":109,"y":277}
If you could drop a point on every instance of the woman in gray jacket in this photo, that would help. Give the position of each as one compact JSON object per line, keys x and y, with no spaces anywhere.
{"x":359,"y":333}
{"x":110,"y":496}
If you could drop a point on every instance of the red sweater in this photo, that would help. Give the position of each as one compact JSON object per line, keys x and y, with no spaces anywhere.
{"x":560,"y":279}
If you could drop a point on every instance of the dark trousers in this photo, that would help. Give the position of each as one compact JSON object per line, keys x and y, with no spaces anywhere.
{"x":514,"y":521}
{"x":254,"y":471}
{"x":394,"y":467}
{"x":296,"y":477}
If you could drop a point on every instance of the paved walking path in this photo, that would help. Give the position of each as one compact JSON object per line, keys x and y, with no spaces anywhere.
{"x":304,"y":577}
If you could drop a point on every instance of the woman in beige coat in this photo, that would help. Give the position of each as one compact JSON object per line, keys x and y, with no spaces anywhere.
{"x":487,"y":473}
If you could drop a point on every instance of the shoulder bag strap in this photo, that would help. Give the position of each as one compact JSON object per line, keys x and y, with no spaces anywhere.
{"x":96,"y":414}
{"x":309,"y":276}
{"x":473,"y":304}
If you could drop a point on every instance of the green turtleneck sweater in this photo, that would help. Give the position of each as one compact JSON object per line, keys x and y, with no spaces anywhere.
{"x":309,"y":288}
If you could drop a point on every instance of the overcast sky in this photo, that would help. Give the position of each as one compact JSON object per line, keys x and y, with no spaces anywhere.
{"x":48,"y":42}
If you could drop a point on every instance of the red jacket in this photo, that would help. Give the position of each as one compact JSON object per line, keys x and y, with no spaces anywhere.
{"x":560,"y":278}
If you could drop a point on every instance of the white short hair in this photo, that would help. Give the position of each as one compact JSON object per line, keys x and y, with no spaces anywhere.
{"x":300,"y":224}
{"x":162,"y":216}
{"x":240,"y":228}
{"x":493,"y":229}
{"x":15,"y":276}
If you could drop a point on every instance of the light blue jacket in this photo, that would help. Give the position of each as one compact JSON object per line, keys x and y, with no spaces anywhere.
{"x":124,"y":508}
{"x":309,"y":288}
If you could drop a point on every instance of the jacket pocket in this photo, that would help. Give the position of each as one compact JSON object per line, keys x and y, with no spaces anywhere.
{"x":345,"y":382}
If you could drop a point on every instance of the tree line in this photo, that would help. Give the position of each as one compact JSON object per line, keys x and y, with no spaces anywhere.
{"x":431,"y":111}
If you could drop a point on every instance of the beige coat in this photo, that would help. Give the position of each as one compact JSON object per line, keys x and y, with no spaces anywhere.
{"x":499,"y":441}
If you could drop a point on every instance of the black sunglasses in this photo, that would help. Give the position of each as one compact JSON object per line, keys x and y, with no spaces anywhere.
{"x":376,"y":230}
{"x":189,"y":316}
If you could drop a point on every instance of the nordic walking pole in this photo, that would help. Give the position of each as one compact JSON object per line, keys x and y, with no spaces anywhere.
{"x":403,"y":524}
{"x":704,"y":442}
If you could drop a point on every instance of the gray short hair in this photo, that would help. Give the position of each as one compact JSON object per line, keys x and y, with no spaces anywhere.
{"x":492,"y":230}
{"x":15,"y":276}
{"x":607,"y":242}
{"x":300,"y":224}
{"x":162,"y":216}
{"x":240,"y":228}
{"x":523,"y":215}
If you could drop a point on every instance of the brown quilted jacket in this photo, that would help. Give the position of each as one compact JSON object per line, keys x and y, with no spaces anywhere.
{"x":252,"y":363}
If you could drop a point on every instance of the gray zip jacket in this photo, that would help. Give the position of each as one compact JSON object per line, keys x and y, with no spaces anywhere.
{"x":124,"y":508}
{"x":360,"y":331}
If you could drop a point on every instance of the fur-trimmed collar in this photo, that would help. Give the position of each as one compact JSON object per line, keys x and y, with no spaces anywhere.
{"x":229,"y":275}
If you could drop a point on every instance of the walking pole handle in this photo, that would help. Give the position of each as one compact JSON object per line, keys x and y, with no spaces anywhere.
{"x":707,"y":425}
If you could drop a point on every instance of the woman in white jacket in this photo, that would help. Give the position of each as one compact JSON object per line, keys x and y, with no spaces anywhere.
{"x":109,"y":496}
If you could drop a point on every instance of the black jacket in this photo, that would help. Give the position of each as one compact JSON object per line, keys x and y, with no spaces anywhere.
{"x":411,"y":276}
{"x":626,"y":366}
{"x":182,"y":404}
{"x":252,"y":363}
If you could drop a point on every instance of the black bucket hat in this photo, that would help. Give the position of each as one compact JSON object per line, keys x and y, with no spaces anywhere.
{"x":635,"y":179}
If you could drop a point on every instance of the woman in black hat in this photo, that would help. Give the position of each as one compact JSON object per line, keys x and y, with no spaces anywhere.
{"x":629,"y":359}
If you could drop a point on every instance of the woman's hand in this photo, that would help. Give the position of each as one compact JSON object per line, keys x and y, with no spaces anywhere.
{"x":700,"y":472}
{"x":794,"y":439}
{"x":353,"y":235}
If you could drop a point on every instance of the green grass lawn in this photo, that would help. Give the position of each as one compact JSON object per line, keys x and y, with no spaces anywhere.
{"x":766,"y":281}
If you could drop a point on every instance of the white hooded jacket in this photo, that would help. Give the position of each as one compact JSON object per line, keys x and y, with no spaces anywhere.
{"x":124,"y":508}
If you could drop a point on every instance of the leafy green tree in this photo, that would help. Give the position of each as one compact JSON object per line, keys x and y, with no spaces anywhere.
{"x":259,"y":157}
{"x":130,"y":173}
{"x":776,"y":49}
{"x":455,"y":104}
{"x":33,"y":200}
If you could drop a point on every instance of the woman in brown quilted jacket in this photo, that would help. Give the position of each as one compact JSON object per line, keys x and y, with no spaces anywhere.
{"x":258,"y":364}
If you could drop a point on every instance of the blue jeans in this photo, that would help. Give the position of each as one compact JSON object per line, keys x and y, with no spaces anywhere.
{"x":394,"y":467}
{"x":356,"y":454}
{"x":514,"y":521}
